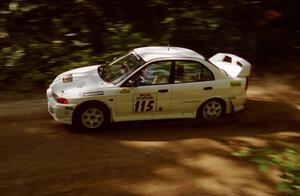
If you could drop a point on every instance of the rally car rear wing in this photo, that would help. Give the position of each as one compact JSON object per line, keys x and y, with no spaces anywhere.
{"x":233,"y":65}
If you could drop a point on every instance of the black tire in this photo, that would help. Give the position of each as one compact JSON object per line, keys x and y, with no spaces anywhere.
{"x":90,"y":116}
{"x":212,"y":109}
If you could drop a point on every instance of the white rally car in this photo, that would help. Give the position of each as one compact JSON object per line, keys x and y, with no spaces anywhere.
{"x":150,"y":83}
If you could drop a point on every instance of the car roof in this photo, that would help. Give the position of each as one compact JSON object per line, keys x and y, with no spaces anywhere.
{"x":153,"y":52}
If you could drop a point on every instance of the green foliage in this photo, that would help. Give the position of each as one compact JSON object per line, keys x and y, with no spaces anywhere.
{"x":286,"y":158}
{"x":40,"y":39}
{"x":243,"y":151}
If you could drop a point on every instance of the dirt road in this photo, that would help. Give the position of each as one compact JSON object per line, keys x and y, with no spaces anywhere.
{"x":39,"y":156}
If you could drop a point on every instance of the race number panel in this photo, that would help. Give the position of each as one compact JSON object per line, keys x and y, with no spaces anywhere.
{"x":146,"y":102}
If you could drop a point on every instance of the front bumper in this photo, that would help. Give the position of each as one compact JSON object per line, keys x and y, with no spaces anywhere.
{"x":60,"y":112}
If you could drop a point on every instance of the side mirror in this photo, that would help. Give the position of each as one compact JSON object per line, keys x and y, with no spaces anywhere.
{"x":130,"y":83}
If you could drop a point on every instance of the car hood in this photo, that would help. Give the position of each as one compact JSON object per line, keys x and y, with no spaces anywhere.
{"x":82,"y":80}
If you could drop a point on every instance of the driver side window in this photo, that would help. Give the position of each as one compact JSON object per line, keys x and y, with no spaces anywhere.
{"x":154,"y":74}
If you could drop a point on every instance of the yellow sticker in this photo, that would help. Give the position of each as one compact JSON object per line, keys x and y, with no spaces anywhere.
{"x":124,"y":90}
{"x":235,"y":83}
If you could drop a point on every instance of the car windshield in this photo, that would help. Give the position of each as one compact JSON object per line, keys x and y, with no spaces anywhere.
{"x":121,"y":68}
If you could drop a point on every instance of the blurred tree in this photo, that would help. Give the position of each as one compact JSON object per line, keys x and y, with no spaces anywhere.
{"x":39,"y":39}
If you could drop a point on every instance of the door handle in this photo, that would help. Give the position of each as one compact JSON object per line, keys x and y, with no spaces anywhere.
{"x":208,"y":88}
{"x":163,"y":90}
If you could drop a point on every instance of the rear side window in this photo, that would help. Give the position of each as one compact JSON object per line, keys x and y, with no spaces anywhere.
{"x":191,"y":71}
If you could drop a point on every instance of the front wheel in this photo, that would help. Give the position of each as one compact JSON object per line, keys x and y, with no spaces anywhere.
{"x":90,"y":116}
{"x":212,"y":109}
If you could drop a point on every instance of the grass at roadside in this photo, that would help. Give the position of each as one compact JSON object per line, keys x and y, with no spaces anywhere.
{"x":283,"y":156}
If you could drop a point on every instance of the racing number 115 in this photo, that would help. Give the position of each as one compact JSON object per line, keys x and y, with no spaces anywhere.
{"x":144,"y":106}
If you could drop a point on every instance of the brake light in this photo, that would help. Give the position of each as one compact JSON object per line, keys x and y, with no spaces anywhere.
{"x":62,"y":100}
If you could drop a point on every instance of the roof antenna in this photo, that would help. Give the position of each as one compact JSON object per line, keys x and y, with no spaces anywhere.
{"x":170,"y":24}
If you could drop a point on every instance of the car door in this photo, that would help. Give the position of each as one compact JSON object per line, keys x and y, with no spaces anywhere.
{"x":146,"y":94}
{"x":193,"y":84}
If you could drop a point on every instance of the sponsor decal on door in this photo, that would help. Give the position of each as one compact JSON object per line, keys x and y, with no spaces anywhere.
{"x":146,"y":102}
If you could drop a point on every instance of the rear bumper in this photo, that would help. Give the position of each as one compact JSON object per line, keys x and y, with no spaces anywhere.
{"x":235,"y":104}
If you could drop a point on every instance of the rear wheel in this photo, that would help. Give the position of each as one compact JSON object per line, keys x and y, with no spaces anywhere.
{"x":90,"y":116}
{"x":212,"y":109}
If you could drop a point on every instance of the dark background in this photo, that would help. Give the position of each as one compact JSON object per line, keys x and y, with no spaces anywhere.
{"x":40,"y":39}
